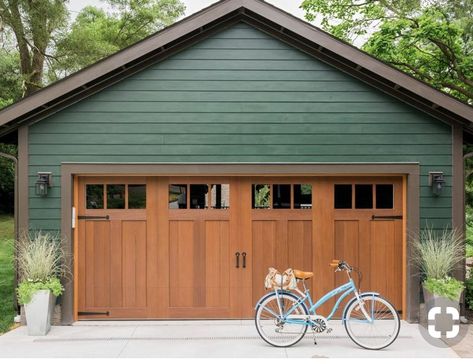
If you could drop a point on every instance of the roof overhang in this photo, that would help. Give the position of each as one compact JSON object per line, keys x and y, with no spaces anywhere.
{"x":216,"y":17}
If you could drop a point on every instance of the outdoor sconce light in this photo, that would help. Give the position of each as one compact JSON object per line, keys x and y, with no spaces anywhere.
{"x":43,"y":183}
{"x":436,"y":182}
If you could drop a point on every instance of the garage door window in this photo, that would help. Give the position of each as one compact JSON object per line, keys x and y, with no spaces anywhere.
{"x":343,"y":195}
{"x":367,"y":196}
{"x":136,"y":196}
{"x":94,"y":197}
{"x":384,"y":196}
{"x":363,"y":196}
{"x":220,"y":196}
{"x":281,"y":196}
{"x":177,"y":196}
{"x":115,"y":196}
{"x":303,"y":196}
{"x":200,"y":196}
{"x":261,"y":196}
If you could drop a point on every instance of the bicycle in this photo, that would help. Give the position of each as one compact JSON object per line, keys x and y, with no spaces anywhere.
{"x":282,"y":317}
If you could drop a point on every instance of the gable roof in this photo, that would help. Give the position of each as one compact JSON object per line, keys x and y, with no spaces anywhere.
{"x":216,"y":17}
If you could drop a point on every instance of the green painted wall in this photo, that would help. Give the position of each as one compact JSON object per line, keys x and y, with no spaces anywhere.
{"x":239,"y":96}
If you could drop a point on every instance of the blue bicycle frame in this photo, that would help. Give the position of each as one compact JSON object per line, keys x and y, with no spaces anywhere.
{"x":346,"y":288}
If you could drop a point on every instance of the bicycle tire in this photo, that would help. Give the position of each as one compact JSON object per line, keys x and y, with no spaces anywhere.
{"x":269,"y":300}
{"x":390,"y":320}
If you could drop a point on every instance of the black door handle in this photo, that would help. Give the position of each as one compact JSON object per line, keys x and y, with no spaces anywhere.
{"x":237,"y":254}
{"x":244,"y":259}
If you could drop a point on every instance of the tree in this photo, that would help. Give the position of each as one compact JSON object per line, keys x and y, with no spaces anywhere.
{"x":431,"y":40}
{"x":47,"y":48}
{"x":33,"y":24}
{"x":96,"y":34}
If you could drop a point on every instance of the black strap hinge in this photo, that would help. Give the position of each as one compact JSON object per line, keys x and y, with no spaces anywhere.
{"x":386,"y":217}
{"x":91,"y":313}
{"x":89,"y":217}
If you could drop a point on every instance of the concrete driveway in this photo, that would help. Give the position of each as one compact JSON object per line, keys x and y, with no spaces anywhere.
{"x":198,"y":339}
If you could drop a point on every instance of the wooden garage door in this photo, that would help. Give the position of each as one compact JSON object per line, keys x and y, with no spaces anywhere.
{"x":112,"y":249}
{"x":359,"y":219}
{"x":198,"y":241}
{"x":200,"y":247}
{"x":367,"y":223}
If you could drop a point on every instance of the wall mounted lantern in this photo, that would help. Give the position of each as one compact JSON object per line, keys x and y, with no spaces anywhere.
{"x":436,"y":182}
{"x":43,"y":183}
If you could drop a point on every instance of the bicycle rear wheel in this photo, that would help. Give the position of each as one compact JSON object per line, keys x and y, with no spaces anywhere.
{"x":270,"y":325}
{"x":378,"y":332}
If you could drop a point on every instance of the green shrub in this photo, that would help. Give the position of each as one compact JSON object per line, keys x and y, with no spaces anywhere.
{"x":446,"y":287}
{"x":26,"y":289}
{"x":469,"y":249}
{"x":469,"y":291}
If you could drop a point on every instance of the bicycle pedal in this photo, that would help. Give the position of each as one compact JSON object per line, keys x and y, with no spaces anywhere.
{"x":329,"y":330}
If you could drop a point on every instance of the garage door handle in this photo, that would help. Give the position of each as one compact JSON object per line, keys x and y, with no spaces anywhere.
{"x":237,"y":255}
{"x":244,"y":259}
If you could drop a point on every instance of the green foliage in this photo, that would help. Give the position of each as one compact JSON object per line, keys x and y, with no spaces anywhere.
{"x":10,"y":80}
{"x":34,"y":25}
{"x":437,"y":253}
{"x":26,"y":289}
{"x":446,"y":287}
{"x":262,"y":196}
{"x":429,"y":40}
{"x":469,"y":290}
{"x":40,"y":45}
{"x":7,"y":290}
{"x":96,"y":34}
{"x":7,"y":178}
{"x":469,"y":250}
{"x":40,"y":257}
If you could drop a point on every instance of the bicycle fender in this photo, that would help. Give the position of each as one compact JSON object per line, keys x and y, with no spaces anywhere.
{"x":354,"y":299}
{"x":272,"y":293}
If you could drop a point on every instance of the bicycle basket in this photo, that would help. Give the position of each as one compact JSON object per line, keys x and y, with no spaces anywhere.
{"x":277,"y":280}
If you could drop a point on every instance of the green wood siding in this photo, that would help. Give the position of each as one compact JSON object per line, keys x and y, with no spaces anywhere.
{"x":240,"y":96}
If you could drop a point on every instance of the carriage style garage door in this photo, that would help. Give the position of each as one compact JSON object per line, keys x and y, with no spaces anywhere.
{"x":200,"y":247}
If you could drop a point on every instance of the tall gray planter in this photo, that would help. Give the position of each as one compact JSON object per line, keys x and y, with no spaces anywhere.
{"x":38,"y":313}
{"x":432,"y":300}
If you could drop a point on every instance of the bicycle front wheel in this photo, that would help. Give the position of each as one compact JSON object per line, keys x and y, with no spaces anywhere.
{"x":270,"y":324}
{"x":377,"y":332}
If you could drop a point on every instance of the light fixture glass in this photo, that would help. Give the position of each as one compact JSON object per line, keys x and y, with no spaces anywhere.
{"x":43,"y":183}
{"x":437,"y":182}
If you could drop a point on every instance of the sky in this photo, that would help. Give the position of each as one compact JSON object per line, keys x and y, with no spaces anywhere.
{"x":192,"y":6}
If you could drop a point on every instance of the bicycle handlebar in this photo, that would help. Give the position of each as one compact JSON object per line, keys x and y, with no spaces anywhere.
{"x":340,"y":265}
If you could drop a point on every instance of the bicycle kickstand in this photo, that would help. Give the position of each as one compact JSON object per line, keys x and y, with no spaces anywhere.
{"x":313,"y":334}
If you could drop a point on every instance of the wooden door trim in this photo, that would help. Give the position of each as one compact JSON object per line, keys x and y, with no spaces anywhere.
{"x":410,"y":170}
{"x":76,"y":248}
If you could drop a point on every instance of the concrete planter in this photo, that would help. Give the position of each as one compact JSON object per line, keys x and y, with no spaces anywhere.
{"x":432,"y":300}
{"x":39,"y":312}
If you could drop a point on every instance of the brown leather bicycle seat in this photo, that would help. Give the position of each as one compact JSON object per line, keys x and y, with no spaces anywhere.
{"x":302,"y":275}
